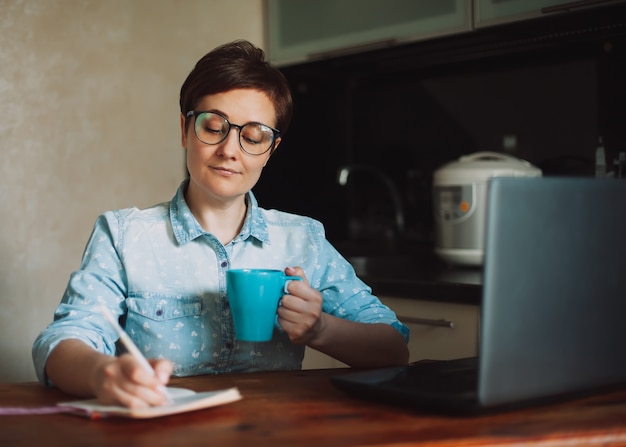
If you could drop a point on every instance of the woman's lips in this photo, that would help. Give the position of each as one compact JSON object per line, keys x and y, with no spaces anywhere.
{"x":224,"y":171}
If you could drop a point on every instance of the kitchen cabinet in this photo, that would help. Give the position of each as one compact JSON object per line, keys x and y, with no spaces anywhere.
{"x":492,"y":12}
{"x":301,"y":30}
{"x":439,"y":330}
{"x":316,"y":360}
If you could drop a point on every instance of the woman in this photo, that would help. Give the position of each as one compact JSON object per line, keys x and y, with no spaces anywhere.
{"x":162,"y":269}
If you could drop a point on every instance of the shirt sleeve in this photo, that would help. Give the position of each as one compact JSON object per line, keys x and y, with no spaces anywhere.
{"x":99,"y":281}
{"x":347,"y":296}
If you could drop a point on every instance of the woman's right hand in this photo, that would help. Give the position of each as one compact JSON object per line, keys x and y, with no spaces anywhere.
{"x":124,"y":381}
{"x":78,"y":369}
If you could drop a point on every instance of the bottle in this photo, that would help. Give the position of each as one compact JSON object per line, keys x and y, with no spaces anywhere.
{"x":600,"y":160}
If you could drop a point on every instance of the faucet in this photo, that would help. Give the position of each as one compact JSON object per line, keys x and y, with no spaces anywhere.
{"x":345,"y":172}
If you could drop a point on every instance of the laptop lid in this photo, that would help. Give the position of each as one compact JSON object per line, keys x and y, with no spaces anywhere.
{"x":554,"y":292}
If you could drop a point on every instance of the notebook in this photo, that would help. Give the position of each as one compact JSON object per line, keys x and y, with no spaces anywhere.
{"x":553,"y":305}
{"x":183,"y":400}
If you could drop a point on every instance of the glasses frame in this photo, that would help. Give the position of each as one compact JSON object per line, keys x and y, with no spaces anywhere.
{"x":196,"y":113}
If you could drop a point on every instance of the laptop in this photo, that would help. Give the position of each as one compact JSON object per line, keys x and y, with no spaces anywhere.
{"x":553,"y":305}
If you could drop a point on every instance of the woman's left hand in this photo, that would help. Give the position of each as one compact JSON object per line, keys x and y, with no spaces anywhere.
{"x":362,"y":345}
{"x":300,"y":313}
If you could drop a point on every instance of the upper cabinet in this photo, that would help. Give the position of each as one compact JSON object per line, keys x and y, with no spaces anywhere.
{"x":302,"y":30}
{"x":492,"y":12}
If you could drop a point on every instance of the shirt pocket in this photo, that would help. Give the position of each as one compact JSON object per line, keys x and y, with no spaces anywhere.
{"x":168,"y":327}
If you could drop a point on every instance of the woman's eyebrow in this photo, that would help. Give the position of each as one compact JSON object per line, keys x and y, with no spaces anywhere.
{"x":217,"y":111}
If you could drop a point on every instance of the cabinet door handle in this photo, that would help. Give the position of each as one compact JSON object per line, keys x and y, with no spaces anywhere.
{"x":439,"y":322}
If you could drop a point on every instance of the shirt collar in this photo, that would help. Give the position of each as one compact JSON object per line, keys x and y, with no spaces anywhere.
{"x":186,"y":228}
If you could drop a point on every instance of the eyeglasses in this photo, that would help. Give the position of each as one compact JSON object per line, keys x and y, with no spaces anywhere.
{"x":213,"y":128}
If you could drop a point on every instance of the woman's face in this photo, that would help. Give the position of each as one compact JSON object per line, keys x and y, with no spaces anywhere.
{"x":223,"y":172}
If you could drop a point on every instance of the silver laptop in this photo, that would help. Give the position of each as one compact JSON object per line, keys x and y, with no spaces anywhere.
{"x":553,"y":305}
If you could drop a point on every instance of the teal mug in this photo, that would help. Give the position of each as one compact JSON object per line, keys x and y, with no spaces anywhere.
{"x":254,"y":295}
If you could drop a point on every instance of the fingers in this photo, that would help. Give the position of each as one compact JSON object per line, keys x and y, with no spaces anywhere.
{"x":162,"y":369}
{"x":296,"y":271}
{"x":300,"y":311}
{"x":293,"y":271}
{"x":135,"y":396}
{"x":145,"y":388}
{"x":126,"y":382}
{"x":300,"y":326}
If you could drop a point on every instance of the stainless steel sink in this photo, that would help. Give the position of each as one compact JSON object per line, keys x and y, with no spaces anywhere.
{"x":386,"y":258}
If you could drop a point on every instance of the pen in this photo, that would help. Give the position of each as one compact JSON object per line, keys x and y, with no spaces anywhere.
{"x":129,"y":345}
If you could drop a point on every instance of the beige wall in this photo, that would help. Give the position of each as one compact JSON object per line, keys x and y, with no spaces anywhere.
{"x":88,"y":122}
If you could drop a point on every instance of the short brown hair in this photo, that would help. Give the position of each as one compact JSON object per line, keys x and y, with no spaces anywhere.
{"x":236,"y":65}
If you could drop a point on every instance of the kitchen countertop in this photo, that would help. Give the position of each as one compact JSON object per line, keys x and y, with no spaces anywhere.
{"x":426,"y":289}
{"x":441,"y":283}
{"x":414,"y":272}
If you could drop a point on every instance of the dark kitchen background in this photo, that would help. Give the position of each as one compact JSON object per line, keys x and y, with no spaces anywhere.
{"x":544,"y":90}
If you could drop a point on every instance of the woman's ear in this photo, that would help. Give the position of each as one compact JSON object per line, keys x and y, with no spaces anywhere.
{"x":183,"y":131}
{"x":276,"y":143}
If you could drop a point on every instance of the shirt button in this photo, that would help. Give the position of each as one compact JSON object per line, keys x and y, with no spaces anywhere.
{"x":224,"y":264}
{"x":159,"y":312}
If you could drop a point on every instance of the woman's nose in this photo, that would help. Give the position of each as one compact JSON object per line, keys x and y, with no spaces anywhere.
{"x":230,"y":146}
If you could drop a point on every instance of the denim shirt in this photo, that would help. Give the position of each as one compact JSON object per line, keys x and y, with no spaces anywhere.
{"x":165,"y":276}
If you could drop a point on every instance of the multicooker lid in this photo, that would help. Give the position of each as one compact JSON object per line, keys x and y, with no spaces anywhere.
{"x":481,"y":166}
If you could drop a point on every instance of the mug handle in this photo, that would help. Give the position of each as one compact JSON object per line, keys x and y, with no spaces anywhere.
{"x":287,"y":280}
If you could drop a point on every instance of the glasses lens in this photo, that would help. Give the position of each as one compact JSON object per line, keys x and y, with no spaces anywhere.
{"x":211,"y":128}
{"x":256,"y":138}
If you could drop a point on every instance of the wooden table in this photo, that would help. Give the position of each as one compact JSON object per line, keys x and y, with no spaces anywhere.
{"x":304,"y":409}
